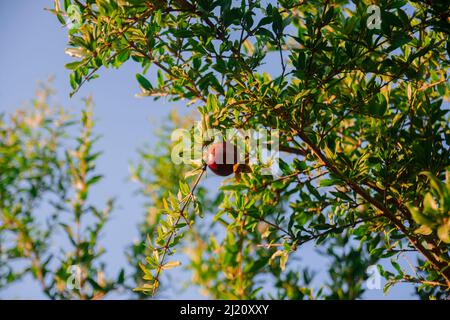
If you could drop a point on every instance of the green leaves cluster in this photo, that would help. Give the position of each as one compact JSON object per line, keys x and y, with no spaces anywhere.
{"x":169,"y":234}
{"x":44,"y":190}
{"x":171,"y":209}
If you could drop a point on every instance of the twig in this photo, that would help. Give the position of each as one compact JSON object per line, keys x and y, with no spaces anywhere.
{"x":181,"y":212}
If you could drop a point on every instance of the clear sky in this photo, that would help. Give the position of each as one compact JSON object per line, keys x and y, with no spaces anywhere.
{"x":32,"y":49}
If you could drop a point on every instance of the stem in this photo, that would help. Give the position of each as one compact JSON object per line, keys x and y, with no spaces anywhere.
{"x":169,"y":239}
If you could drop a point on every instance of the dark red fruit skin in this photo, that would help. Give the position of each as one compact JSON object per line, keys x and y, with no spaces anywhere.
{"x":216,"y":158}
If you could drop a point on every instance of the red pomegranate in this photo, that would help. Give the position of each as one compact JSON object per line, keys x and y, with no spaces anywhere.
{"x":221,"y":158}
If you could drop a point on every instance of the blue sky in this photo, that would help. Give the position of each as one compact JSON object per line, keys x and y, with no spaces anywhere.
{"x":32,"y":49}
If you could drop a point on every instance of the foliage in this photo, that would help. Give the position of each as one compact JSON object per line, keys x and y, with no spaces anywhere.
{"x":47,"y":227}
{"x":158,"y":180}
{"x":360,"y":112}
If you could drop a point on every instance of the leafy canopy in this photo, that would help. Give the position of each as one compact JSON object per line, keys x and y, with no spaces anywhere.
{"x":363,"y":120}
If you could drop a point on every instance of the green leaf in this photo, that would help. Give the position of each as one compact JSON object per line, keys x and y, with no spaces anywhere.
{"x":391,"y":19}
{"x":233,"y":187}
{"x":326,"y":182}
{"x":74,"y":65}
{"x":67,"y":4}
{"x":397,"y":267}
{"x":283,"y":260}
{"x":264,"y":32}
{"x":398,"y":40}
{"x":121,"y":277}
{"x":145,"y":84}
{"x":419,"y":217}
{"x":212,"y":103}
{"x":423,"y":230}
{"x":435,"y":183}
{"x":94,"y":179}
{"x":429,"y":204}
{"x":443,"y":233}
{"x":170,"y":265}
{"x":284,"y":167}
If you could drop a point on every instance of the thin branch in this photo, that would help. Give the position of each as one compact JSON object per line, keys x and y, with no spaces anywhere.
{"x":181,"y":213}
{"x":300,"y":152}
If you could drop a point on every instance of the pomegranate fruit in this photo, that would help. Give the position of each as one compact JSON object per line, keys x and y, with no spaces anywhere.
{"x":221,"y":158}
